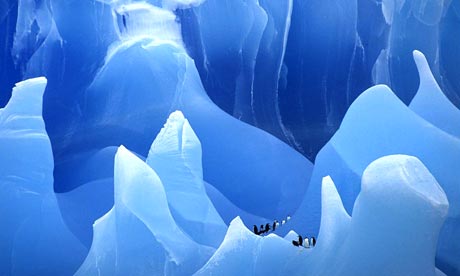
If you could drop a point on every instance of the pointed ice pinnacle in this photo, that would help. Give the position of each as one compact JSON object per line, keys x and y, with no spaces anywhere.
{"x":139,"y":235}
{"x":431,"y":103}
{"x":34,"y":240}
{"x":335,"y":221}
{"x":176,"y":156}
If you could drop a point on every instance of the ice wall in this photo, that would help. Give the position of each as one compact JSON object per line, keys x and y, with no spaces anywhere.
{"x":393,"y":230}
{"x":176,"y":157}
{"x":330,"y":53}
{"x":34,"y":239}
{"x":139,"y":236}
{"x":379,"y":124}
{"x":117,"y":69}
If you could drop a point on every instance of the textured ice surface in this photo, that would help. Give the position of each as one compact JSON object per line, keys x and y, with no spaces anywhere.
{"x":395,"y":223}
{"x":139,"y":236}
{"x":379,"y":124}
{"x":176,"y":157}
{"x":116,"y":69}
{"x":34,"y":239}
{"x":142,"y":79}
{"x":131,"y":109}
{"x":400,"y":205}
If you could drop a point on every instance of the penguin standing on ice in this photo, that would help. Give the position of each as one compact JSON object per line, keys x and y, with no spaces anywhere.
{"x":298,"y":242}
{"x":124,"y":20}
{"x":261,"y":231}
{"x":312,"y":241}
{"x":267,"y":227}
{"x":256,"y":231}
{"x":306,"y":243}
{"x":283,"y":222}
{"x":275,"y":224}
{"x":288,"y":218}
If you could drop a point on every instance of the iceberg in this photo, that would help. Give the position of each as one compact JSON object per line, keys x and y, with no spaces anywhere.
{"x":430,"y":102}
{"x":222,"y":103}
{"x":175,"y":155}
{"x":376,"y":240}
{"x":379,"y":124}
{"x":139,"y":236}
{"x":34,"y":239}
{"x":114,"y":115}
{"x":395,"y":223}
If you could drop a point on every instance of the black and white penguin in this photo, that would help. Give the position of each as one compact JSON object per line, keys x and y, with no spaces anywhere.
{"x":256,"y":231}
{"x":300,"y":240}
{"x":306,"y":243}
{"x":312,"y":241}
{"x":267,"y":227}
{"x":124,"y":20}
{"x":275,"y":224}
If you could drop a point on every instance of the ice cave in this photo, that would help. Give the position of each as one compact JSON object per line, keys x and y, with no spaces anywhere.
{"x":229,"y":137}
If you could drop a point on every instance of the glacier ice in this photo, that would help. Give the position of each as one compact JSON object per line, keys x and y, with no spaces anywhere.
{"x":379,"y":124}
{"x":34,"y":240}
{"x":114,"y":115}
{"x":376,"y":240}
{"x":176,"y":157}
{"x":139,"y":236}
{"x":117,"y":70}
{"x":431,"y":103}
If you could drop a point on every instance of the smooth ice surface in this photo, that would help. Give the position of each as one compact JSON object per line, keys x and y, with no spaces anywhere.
{"x":393,"y":231}
{"x":395,"y":223}
{"x":116,"y":70}
{"x":243,"y":253}
{"x":176,"y":157}
{"x":34,"y":239}
{"x":140,"y":79}
{"x":139,"y":236}
{"x":431,"y":103}
{"x":379,"y":124}
{"x":126,"y":110}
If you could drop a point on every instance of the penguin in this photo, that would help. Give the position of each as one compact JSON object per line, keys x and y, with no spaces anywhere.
{"x":295,"y":243}
{"x":274,"y":225}
{"x":312,"y":241}
{"x":256,"y":231}
{"x":261,"y":229}
{"x":300,"y":240}
{"x":288,"y":218}
{"x":283,"y":222}
{"x":267,"y":227}
{"x":124,"y":20}
{"x":306,"y":243}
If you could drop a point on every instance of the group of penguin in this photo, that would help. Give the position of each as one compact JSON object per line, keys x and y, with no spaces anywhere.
{"x":265,"y":229}
{"x":307,"y":242}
